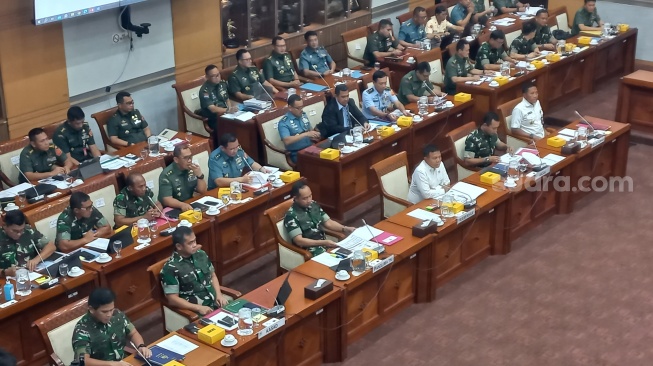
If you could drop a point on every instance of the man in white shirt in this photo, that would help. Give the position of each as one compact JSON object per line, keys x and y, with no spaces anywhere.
{"x":430,"y":177}
{"x":439,"y":26}
{"x":527,"y":117}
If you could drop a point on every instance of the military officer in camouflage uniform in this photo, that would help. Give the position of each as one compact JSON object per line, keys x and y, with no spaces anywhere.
{"x":524,"y":47}
{"x":586,"y":18}
{"x":103,"y":332}
{"x":41,"y":159}
{"x":18,"y":243}
{"x":214,"y":96}
{"x":544,"y":38}
{"x":246,"y":77}
{"x":413,"y":30}
{"x":480,"y":145}
{"x":491,"y":53}
{"x":509,"y":6}
{"x":295,"y":128}
{"x":75,"y":138}
{"x":416,"y":84}
{"x":127,"y":126}
{"x":80,"y":223}
{"x":379,"y":101}
{"x":459,"y":68}
{"x":188,"y":277}
{"x":381,"y":44}
{"x":305,"y":222}
{"x":135,"y":201}
{"x":315,"y":60}
{"x":180,"y":180}
{"x":278,"y":68}
{"x":479,"y":8}
{"x":227,"y":162}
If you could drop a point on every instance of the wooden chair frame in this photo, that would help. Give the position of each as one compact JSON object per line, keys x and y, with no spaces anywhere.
{"x":454,"y":136}
{"x":505,"y":110}
{"x":351,"y":35}
{"x":7,"y":147}
{"x":388,"y":165}
{"x":179,"y":89}
{"x":264,"y":118}
{"x":102,"y":117}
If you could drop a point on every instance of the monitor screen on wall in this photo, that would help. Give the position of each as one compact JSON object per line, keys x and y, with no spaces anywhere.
{"x":48,"y":11}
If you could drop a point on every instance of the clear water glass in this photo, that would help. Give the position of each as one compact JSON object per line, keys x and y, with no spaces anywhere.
{"x":377,"y":65}
{"x":341,"y":145}
{"x":23,"y":284}
{"x":144,"y":154}
{"x":189,"y":136}
{"x":522,"y":168}
{"x":582,"y":134}
{"x":358,"y":261}
{"x":197,"y":214}
{"x":513,"y":170}
{"x":226,"y":199}
{"x":117,"y":247}
{"x":63,"y":269}
{"x":256,"y":316}
{"x":245,"y":323}
{"x":22,"y":199}
{"x":153,"y":229}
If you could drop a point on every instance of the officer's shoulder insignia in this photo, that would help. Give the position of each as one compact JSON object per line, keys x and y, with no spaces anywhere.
{"x":370,"y":90}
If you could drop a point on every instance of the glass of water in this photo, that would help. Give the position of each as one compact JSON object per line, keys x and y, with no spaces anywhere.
{"x":341,"y":145}
{"x":245,"y":323}
{"x":23,"y":284}
{"x":117,"y":247}
{"x":63,"y":269}
{"x":226,"y":199}
{"x":153,"y":228}
{"x":189,"y":136}
{"x":256,"y":316}
{"x":144,"y":154}
{"x":522,"y":168}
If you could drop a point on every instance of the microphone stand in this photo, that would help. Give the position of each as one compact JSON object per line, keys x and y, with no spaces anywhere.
{"x":38,"y":196}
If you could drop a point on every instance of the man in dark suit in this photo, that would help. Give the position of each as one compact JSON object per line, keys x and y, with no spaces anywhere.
{"x":340,"y":114}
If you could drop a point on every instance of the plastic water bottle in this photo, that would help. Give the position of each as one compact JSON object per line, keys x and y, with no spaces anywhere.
{"x":9,"y":291}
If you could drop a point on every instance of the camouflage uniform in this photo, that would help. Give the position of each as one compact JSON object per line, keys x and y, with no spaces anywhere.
{"x":36,"y":161}
{"x":102,"y":341}
{"x":14,"y":253}
{"x":213,"y":94}
{"x":376,"y":42}
{"x":222,"y":165}
{"x":242,"y":80}
{"x":77,"y":143}
{"x":504,"y":4}
{"x":584,"y":17}
{"x":522,"y":46}
{"x":488,"y":55}
{"x":128,"y":127}
{"x":190,"y":278}
{"x":480,"y":145}
{"x":456,"y":67}
{"x":128,"y":205}
{"x":411,"y":84}
{"x":71,"y":228}
{"x":176,"y":183}
{"x":411,"y":32}
{"x":479,"y":6}
{"x":279,"y":67}
{"x":543,"y":35}
{"x":289,"y":125}
{"x":307,"y":222}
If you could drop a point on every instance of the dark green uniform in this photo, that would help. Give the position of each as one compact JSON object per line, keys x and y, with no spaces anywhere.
{"x":243,"y":80}
{"x":71,"y":228}
{"x":128,"y":205}
{"x":376,"y":42}
{"x":37,"y":161}
{"x":176,"y":183}
{"x":479,"y":6}
{"x":102,"y":341}
{"x":456,"y":67}
{"x":522,"y":46}
{"x":307,"y":222}
{"x":77,"y":143}
{"x":411,"y":84}
{"x":279,"y":67}
{"x":584,"y":17}
{"x":504,"y":4}
{"x":543,"y":35}
{"x":213,"y":95}
{"x":488,"y":55}
{"x":190,"y":278}
{"x":128,"y":127}
{"x":14,"y":253}
{"x":480,"y":145}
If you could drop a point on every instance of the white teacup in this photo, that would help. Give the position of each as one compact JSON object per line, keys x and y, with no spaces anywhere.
{"x":411,"y":59}
{"x":104,"y":256}
{"x":11,"y":206}
{"x":74,"y":270}
{"x":184,"y":223}
{"x":213,"y":210}
{"x":229,"y":338}
{"x":342,"y":273}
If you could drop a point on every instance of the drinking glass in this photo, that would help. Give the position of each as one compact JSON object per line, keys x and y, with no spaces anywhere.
{"x":144,"y":154}
{"x":153,"y":145}
{"x":513,"y":170}
{"x":341,"y":145}
{"x":226,"y":199}
{"x":582,"y":135}
{"x":69,"y":180}
{"x":271,"y":179}
{"x":63,"y":269}
{"x":358,"y":261}
{"x":153,"y":228}
{"x":256,"y":316}
{"x":143,"y":226}
{"x":189,"y":136}
{"x":522,"y":168}
{"x":377,"y":66}
{"x":245,"y":324}
{"x":21,"y":199}
{"x":23,"y":284}
{"x":117,"y":247}
{"x":197,"y":214}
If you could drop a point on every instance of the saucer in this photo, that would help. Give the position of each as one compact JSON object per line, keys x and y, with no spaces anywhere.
{"x":235,"y":342}
{"x":530,"y":68}
{"x":169,"y":148}
{"x":441,"y":223}
{"x":417,"y":119}
{"x":277,"y":185}
{"x":509,"y":185}
{"x":494,"y":84}
{"x":347,"y":150}
{"x":77,"y":274}
{"x":189,"y":224}
{"x":344,"y":278}
{"x":107,"y":260}
{"x":212,"y":214}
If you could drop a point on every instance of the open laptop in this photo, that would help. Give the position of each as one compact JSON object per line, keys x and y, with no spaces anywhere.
{"x":87,"y":169}
{"x":284,"y":291}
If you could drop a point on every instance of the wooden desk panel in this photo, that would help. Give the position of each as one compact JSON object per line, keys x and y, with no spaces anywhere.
{"x":567,"y":78}
{"x":23,"y":340}
{"x":634,"y":105}
{"x":202,"y":356}
{"x":616,"y":56}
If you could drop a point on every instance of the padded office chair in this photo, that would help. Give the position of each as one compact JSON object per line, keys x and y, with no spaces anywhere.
{"x":57,"y":329}
{"x":189,"y":101}
{"x":49,"y":129}
{"x":102,"y":190}
{"x":151,"y":169}
{"x":367,"y":81}
{"x":201,"y":152}
{"x":174,"y":318}
{"x":355,"y":41}
{"x":456,"y":140}
{"x":561,"y":18}
{"x":511,"y":37}
{"x":102,"y":118}
{"x":404,"y":17}
{"x":392,"y":173}
{"x":434,"y":58}
{"x":505,"y":132}
{"x":290,"y":255}
{"x":8,"y":150}
{"x":44,"y":218}
{"x":274,"y":148}
{"x":375,"y":26}
{"x":314,"y":107}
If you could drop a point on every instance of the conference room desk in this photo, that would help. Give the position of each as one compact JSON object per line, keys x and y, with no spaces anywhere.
{"x":615,"y":56}
{"x":311,"y":335}
{"x":403,"y":67}
{"x":608,"y":159}
{"x":634,"y":105}
{"x":567,"y":78}
{"x":18,"y":336}
{"x":531,"y":201}
{"x":204,"y":355}
{"x":457,"y":247}
{"x":344,"y":183}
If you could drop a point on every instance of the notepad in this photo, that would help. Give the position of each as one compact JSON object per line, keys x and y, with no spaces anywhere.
{"x":314,"y":87}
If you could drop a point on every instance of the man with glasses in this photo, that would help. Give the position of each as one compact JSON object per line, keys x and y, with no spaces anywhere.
{"x":214,"y":96}
{"x":75,"y":138}
{"x":379,"y":101}
{"x":416,"y":84}
{"x":381,"y":44}
{"x":127,"y":126}
{"x":42,"y":159}
{"x":19,"y":243}
{"x":295,"y":128}
{"x":413,"y":30}
{"x":80,"y":223}
{"x":180,"y":180}
{"x":245,"y":76}
{"x":135,"y":201}
{"x":491,"y":53}
{"x":278,"y":68}
{"x":227,"y":162}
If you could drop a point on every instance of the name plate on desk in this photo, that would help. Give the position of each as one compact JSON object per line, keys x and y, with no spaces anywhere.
{"x":8,"y":303}
{"x":464,"y":215}
{"x":271,"y":328}
{"x":542,"y":172}
{"x":381,"y":263}
{"x":596,"y":142}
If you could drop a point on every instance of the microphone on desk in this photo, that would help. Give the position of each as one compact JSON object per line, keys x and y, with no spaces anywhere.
{"x":38,"y":196}
{"x":593,"y":132}
{"x":379,"y":248}
{"x":139,"y":353}
{"x":542,"y":165}
{"x":321,"y":77}
{"x":357,"y":121}
{"x":53,"y":280}
{"x":161,"y":212}
{"x":269,"y":95}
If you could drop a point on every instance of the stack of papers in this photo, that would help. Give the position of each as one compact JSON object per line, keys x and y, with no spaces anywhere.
{"x":467,"y":189}
{"x":504,"y":22}
{"x":13,"y":191}
{"x":240,"y":116}
{"x":116,"y":163}
{"x":424,"y":215}
{"x":552,"y":159}
{"x":178,"y":345}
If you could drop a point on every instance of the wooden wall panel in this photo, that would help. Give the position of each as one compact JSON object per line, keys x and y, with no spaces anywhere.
{"x":32,"y":67}
{"x":197,"y":33}
{"x":412,"y":4}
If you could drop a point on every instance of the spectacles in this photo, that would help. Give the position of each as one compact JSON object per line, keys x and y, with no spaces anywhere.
{"x":214,"y":76}
{"x":129,"y":103}
{"x":87,"y":208}
{"x":187,"y":158}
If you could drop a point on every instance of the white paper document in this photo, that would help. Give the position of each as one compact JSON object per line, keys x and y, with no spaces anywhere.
{"x":367,"y":232}
{"x":552,"y":159}
{"x":177,"y":344}
{"x":99,"y":243}
{"x":424,"y":215}
{"x":13,"y":191}
{"x":211,"y":199}
{"x":61,"y":184}
{"x":468,"y":189}
{"x":567,"y":132}
{"x":326,"y":259}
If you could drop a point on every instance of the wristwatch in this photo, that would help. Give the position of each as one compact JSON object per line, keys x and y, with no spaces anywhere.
{"x":140,"y":346}
{"x":487,"y":159}
{"x":200,"y":176}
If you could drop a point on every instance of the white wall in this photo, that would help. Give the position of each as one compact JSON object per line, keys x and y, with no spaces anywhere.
{"x":637,"y":17}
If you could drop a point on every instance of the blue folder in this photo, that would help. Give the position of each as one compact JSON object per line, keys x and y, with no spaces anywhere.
{"x":314,"y":87}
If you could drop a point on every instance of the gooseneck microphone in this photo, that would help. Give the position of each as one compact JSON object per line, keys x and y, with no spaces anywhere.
{"x":268,"y":94}
{"x":321,"y":77}
{"x":158,"y":209}
{"x":38,"y":196}
{"x":53,"y":280}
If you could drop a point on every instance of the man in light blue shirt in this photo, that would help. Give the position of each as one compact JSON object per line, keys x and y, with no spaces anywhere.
{"x":227,"y":162}
{"x":462,"y":13}
{"x":295,"y":128}
{"x":413,"y":30}
{"x":378,"y":101}
{"x":315,"y":60}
